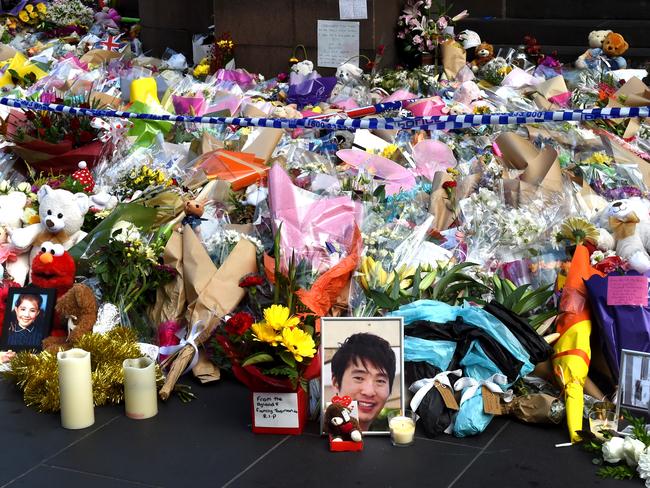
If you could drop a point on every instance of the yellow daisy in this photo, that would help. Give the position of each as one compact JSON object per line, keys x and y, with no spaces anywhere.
{"x":299,"y":343}
{"x":277,"y":316}
{"x":265,"y":333}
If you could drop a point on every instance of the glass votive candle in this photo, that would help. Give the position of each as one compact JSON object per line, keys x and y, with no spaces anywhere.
{"x":600,"y":420}
{"x":402,"y":428}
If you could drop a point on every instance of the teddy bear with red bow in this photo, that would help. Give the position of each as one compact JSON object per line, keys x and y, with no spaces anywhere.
{"x":340,"y":423}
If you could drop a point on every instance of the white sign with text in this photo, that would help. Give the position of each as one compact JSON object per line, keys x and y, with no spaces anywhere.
{"x":352,"y":9}
{"x":338,"y":42}
{"x":276,"y":410}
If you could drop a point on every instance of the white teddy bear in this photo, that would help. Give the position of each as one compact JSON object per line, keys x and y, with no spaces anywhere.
{"x":628,"y":231}
{"x":349,"y":74}
{"x":62,"y":215}
{"x":12,"y":207}
{"x":303,"y":68}
{"x":589,"y":59}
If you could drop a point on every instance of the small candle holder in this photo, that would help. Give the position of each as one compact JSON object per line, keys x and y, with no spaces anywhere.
{"x":402,"y":428}
{"x":600,"y":420}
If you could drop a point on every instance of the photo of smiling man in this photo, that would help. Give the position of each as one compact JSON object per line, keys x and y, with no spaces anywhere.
{"x":364,"y":364}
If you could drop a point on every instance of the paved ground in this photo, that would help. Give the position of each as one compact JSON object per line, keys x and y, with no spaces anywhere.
{"x":208,"y":443}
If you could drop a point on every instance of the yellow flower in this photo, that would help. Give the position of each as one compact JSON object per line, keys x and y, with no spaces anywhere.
{"x":33,"y":15}
{"x":24,"y":16}
{"x":41,"y":7}
{"x":277,"y":316}
{"x":389,"y":151}
{"x":265,"y":333}
{"x":299,"y":343}
{"x":29,"y":7}
{"x":201,"y":70}
{"x":599,"y":158}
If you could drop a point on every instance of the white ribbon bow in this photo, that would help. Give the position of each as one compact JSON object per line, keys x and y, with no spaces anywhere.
{"x":195,"y":332}
{"x":492,"y":383}
{"x":114,"y":130}
{"x":423,"y":386}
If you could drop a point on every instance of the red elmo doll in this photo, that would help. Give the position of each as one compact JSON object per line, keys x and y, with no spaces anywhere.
{"x":54,"y":268}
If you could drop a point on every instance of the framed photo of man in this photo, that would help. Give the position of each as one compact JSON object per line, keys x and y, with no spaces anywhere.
{"x":27,"y":318}
{"x":363,"y":358}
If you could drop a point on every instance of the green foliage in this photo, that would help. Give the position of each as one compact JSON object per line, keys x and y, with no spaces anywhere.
{"x":619,"y":472}
{"x":638,"y":427}
{"x":524,"y":301}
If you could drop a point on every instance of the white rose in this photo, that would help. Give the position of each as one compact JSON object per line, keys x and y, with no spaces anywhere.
{"x":613,"y":450}
{"x":4,"y":186}
{"x":632,"y":449}
{"x":644,"y":466}
{"x":24,"y":187}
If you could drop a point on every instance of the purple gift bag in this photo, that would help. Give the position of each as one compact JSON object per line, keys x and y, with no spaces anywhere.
{"x":620,"y":326}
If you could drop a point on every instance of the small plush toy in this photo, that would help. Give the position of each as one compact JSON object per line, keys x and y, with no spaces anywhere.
{"x":303,"y":68}
{"x":193,"y":212}
{"x":625,"y":227}
{"x":339,"y":422}
{"x":79,"y":306}
{"x":614,"y":46}
{"x":62,"y":215}
{"x":54,"y":268}
{"x":349,"y":74}
{"x":84,"y":176}
{"x":589,"y":59}
{"x":484,"y":53}
{"x":12,"y":207}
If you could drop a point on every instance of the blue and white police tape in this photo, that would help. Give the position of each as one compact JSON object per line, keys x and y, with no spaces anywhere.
{"x":389,"y":123}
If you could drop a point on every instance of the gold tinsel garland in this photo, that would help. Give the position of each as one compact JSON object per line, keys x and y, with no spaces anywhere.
{"x":38,"y":375}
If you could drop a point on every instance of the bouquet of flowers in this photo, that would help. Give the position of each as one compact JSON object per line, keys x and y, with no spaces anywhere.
{"x":424,"y":25}
{"x":65,"y":13}
{"x":52,"y":141}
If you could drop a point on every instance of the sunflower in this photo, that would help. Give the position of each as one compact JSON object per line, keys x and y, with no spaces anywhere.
{"x":265,"y":333}
{"x":299,"y":343}
{"x":578,"y":231}
{"x":277,"y":316}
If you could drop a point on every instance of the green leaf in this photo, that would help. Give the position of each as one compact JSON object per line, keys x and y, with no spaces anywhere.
{"x":535,"y":300}
{"x":288,"y":358}
{"x":515,"y":297}
{"x":428,"y":280}
{"x":382,"y":300}
{"x":450,"y":276}
{"x":260,"y":357}
{"x":416,"y":283}
{"x":394,"y":292}
{"x":536,"y":320}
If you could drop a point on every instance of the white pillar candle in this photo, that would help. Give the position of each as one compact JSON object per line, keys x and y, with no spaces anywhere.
{"x":140,"y":395}
{"x":402,"y":430}
{"x":75,"y":389}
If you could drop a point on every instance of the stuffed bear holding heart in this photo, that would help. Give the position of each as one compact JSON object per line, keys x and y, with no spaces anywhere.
{"x":340,"y":423}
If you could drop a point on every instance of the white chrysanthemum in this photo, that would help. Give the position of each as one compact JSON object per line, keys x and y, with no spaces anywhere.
{"x":643,"y":468}
{"x":632,"y":449}
{"x":125,"y":232}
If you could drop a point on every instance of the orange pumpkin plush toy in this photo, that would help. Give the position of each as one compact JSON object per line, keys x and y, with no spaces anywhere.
{"x":614,"y":46}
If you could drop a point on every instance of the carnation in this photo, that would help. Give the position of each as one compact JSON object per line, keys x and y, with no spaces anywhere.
{"x":239,"y":323}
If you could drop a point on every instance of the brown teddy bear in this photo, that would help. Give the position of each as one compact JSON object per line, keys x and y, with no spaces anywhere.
{"x":339,"y":423}
{"x":484,"y":53}
{"x":193,"y":213}
{"x":79,"y":306}
{"x":614,"y":46}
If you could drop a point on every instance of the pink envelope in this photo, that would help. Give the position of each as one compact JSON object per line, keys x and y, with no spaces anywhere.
{"x":432,"y":156}
{"x":397,"y":177}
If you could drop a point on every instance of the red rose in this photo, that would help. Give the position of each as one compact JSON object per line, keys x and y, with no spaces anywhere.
{"x":75,"y":124}
{"x":239,"y":323}
{"x":610,"y":264}
{"x":449,"y":184}
{"x":250,"y":281}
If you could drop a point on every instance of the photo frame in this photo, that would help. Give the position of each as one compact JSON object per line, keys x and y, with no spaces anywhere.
{"x":357,"y":362}
{"x":634,"y":382}
{"x":28,"y":318}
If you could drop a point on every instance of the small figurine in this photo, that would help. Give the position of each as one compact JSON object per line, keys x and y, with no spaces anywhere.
{"x":193,"y":213}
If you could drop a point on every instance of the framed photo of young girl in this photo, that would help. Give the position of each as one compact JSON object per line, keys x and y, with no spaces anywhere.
{"x":363,"y":358}
{"x":28,"y":318}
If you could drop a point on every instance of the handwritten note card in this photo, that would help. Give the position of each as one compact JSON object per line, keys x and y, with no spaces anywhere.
{"x":627,"y":290}
{"x":352,"y":9}
{"x":276,"y":410}
{"x":338,"y":41}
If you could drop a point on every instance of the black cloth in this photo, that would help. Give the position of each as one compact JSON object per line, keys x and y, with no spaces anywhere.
{"x":538,"y":349}
{"x":435,"y":417}
{"x":463,"y":334}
